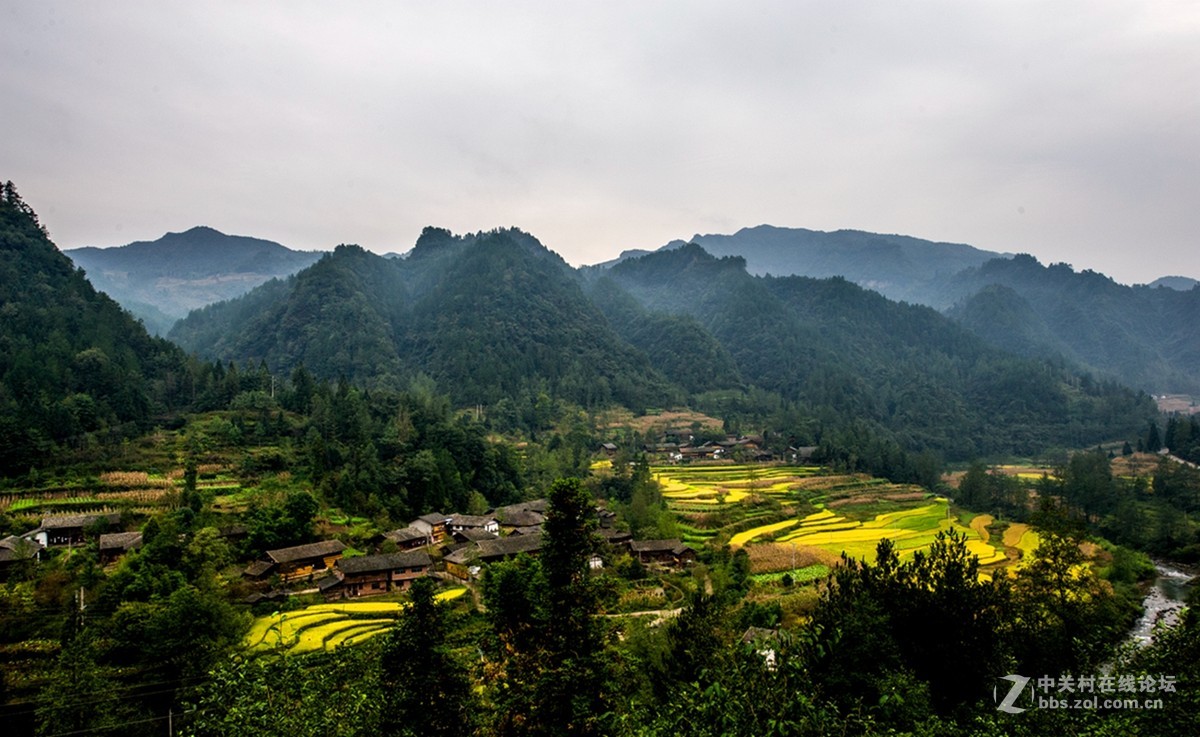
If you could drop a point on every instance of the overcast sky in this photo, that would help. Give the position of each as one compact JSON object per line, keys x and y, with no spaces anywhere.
{"x":1069,"y":130}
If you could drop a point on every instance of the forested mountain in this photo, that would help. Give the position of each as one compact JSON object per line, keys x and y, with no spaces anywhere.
{"x":1143,"y":336}
{"x":161,"y":281}
{"x":500,"y":320}
{"x":493,"y":316}
{"x":72,"y":361}
{"x":848,"y":352}
{"x":897,"y":266}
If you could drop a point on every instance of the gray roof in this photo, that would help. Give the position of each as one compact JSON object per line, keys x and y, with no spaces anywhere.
{"x":521,"y":517}
{"x":121,"y":541}
{"x":333,"y":580}
{"x":503,"y":547}
{"x":70,"y":521}
{"x":18,"y":548}
{"x":258,"y":568}
{"x":470,"y":520}
{"x":434,"y":518}
{"x":404,"y":534}
{"x":302,"y":552}
{"x":387,"y":562}
{"x":658,"y":546}
{"x":475,"y":534}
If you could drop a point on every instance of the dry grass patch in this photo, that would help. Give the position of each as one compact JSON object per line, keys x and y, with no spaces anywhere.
{"x":773,"y":557}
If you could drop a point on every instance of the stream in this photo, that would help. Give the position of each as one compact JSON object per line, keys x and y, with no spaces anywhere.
{"x":1162,"y":601}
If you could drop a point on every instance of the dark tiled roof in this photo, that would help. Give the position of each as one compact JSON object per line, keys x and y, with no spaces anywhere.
{"x":522,"y":518}
{"x":505,"y":546}
{"x":404,"y":534}
{"x":434,"y":518}
{"x":121,"y":541}
{"x":388,"y":562}
{"x":474,"y":534}
{"x":612,"y":534}
{"x":258,"y":568}
{"x":657,"y":546}
{"x":470,"y":520}
{"x":302,"y":552}
{"x":331,"y":581}
{"x":69,"y":521}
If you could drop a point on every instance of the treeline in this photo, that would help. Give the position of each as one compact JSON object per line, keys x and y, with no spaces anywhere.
{"x":1155,"y":514}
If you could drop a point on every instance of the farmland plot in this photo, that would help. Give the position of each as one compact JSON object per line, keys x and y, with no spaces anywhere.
{"x":328,"y":626}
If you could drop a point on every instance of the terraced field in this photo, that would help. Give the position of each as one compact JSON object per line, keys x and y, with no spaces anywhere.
{"x":806,"y":508}
{"x":327,"y":626}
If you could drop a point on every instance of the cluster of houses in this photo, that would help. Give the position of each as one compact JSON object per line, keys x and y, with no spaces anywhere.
{"x":678,"y":446}
{"x":66,"y":531}
{"x":463,"y":542}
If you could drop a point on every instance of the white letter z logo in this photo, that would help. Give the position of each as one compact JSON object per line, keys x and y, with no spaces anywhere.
{"x":1018,"y":686}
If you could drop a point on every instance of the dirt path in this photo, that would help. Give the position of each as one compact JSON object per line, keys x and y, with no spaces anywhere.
{"x":660,"y":615}
{"x":979,"y":524}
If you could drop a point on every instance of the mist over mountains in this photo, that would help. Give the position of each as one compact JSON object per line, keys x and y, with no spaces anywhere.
{"x":161,"y":281}
{"x":1142,"y":336}
{"x":500,"y":320}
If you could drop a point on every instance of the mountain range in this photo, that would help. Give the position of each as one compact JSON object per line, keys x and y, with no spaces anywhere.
{"x":161,"y":281}
{"x":1142,"y":336}
{"x":498,"y":319}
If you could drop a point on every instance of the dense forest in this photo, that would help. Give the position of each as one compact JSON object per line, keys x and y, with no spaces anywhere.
{"x":73,"y":364}
{"x":1142,"y":336}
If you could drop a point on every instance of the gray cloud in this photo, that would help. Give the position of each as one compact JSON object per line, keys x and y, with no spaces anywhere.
{"x":1069,"y":130}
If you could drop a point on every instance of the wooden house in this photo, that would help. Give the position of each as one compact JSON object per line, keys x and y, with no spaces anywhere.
{"x":407,"y":538}
{"x":520,"y":515}
{"x":465,"y":562}
{"x":17,"y":550}
{"x":615,"y":537}
{"x":486,"y":523}
{"x":662,"y":552}
{"x":302,"y":561}
{"x":368,"y":575}
{"x":116,"y":544}
{"x":71,"y":529}
{"x":434,"y":526}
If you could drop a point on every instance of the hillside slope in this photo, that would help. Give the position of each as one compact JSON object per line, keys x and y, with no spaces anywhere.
{"x":72,"y":362}
{"x":160,"y":281}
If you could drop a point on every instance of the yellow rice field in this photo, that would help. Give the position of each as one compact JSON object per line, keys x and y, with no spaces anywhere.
{"x":321,"y":625}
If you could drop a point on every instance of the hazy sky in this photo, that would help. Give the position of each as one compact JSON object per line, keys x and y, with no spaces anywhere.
{"x":1070,"y":130}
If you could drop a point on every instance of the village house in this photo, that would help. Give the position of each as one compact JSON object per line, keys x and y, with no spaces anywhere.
{"x":472,"y":535}
{"x":71,"y":529}
{"x":614,"y":537}
{"x":486,"y":523}
{"x":369,"y":575}
{"x":433,"y":525}
{"x":299,"y":561}
{"x":526,"y":514}
{"x":407,"y":538}
{"x":465,"y":562}
{"x":662,"y":552}
{"x":16,"y":550}
{"x":115,"y":544}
